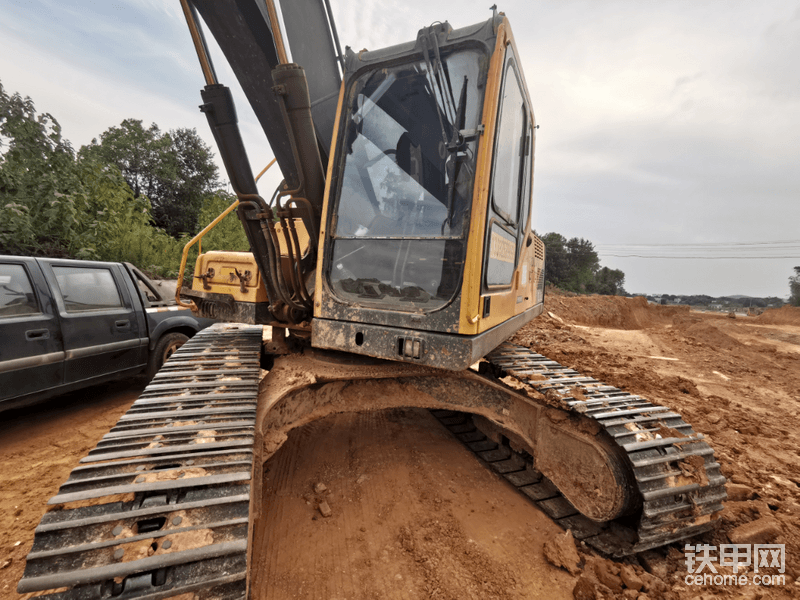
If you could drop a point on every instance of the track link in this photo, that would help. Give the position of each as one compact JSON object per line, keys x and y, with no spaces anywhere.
{"x":658,"y":444}
{"x":160,"y":506}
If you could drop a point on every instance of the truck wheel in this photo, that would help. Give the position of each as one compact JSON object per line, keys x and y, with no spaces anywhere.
{"x":165,"y":348}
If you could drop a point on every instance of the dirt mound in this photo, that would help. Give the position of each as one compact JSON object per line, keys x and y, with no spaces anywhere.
{"x":615,"y":312}
{"x":709,"y":335}
{"x":785,"y":315}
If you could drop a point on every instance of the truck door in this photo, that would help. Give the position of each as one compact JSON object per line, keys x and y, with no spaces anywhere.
{"x":102,"y":335}
{"x":31,"y":352}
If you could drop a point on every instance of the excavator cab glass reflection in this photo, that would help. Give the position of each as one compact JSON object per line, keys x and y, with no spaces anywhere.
{"x":403,"y":202}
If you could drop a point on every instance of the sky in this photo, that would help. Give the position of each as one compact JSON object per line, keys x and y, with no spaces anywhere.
{"x":667,"y":128}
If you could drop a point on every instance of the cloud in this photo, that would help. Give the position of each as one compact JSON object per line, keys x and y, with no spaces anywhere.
{"x":668,"y":122}
{"x":103,"y":63}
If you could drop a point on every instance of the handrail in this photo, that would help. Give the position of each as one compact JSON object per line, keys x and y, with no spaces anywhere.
{"x":272,"y":162}
{"x":197,"y":238}
{"x":185,"y":254}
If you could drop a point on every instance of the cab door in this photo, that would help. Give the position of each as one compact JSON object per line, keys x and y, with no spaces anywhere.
{"x":508,"y":235}
{"x":102,"y":334}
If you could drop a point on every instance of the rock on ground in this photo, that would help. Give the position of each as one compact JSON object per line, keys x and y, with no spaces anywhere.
{"x":561,"y":552}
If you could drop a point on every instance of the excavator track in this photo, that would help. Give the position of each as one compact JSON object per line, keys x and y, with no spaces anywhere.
{"x":159,"y":508}
{"x":657,"y":443}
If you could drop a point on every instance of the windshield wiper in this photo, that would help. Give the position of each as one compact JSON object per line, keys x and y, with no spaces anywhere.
{"x":456,"y":149}
{"x":437,"y":76}
{"x":456,"y":143}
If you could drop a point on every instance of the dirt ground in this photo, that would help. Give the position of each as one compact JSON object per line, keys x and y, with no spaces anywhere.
{"x":415,"y":515}
{"x":736,"y":380}
{"x":39,"y":446}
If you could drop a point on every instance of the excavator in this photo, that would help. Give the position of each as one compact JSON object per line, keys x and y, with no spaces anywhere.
{"x":398,"y":253}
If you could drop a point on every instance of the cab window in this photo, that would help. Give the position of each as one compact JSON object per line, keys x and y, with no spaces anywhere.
{"x":401,"y":217}
{"x":510,"y":188}
{"x":510,"y":149}
{"x":148,"y":295}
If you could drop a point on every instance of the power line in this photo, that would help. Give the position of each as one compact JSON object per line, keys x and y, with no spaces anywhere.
{"x":716,"y":245}
{"x":705,"y":251}
{"x":667,"y":256}
{"x":701,"y":251}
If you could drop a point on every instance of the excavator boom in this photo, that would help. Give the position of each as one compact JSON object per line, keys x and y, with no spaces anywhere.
{"x":254,"y":47}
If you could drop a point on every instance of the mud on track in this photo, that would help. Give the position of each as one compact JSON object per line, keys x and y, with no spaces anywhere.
{"x":736,"y":380}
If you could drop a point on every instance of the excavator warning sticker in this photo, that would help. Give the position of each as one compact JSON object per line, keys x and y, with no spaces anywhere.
{"x":501,"y":248}
{"x":502,"y":256}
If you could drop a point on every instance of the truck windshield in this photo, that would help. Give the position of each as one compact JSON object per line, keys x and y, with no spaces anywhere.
{"x":405,"y":192}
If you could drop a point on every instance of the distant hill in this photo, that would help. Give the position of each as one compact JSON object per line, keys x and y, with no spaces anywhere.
{"x":737,"y":301}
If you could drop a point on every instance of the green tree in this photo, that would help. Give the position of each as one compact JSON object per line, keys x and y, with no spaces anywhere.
{"x":609,"y":282}
{"x":228,"y":234}
{"x":174,"y":170}
{"x":573,"y":265}
{"x":135,"y":151}
{"x":556,"y":267}
{"x":582,"y":264}
{"x":39,"y":206}
{"x":794,"y":287}
{"x":54,"y":204}
{"x":121,"y":224}
{"x":193,"y":177}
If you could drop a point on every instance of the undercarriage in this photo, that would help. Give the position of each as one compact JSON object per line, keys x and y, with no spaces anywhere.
{"x":164,"y":504}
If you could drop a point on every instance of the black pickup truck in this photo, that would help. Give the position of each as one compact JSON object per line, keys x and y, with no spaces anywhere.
{"x":67,"y":324}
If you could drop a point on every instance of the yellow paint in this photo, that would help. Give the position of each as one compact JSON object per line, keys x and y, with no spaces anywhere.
{"x":185,"y":254}
{"x":198,"y":239}
{"x":471,"y":303}
{"x":505,"y":301}
{"x":225,"y":265}
{"x":225,"y":280}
